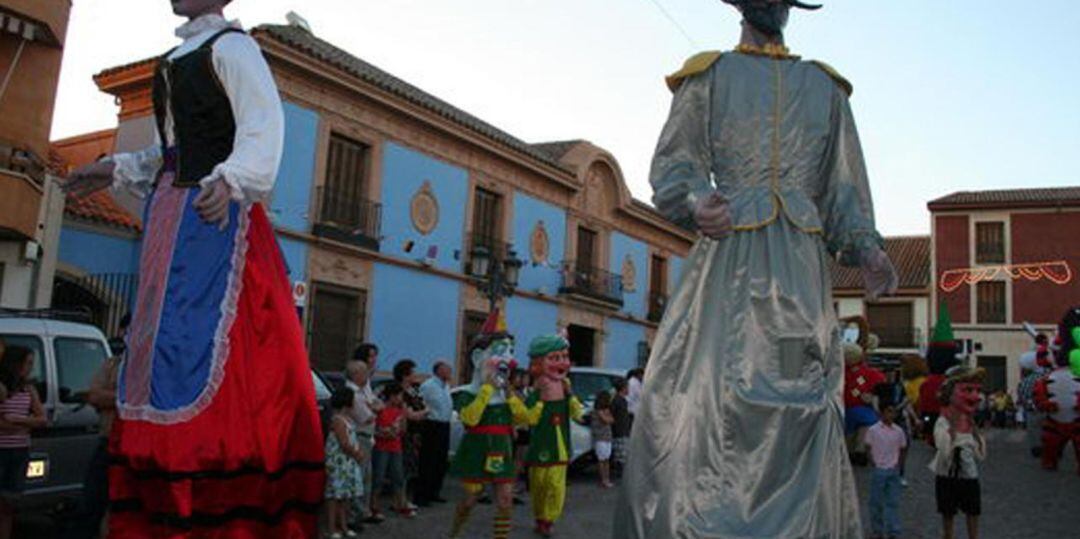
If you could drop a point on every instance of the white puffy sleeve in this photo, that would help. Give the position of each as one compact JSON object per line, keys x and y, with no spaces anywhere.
{"x":136,"y":171}
{"x":252,"y":167}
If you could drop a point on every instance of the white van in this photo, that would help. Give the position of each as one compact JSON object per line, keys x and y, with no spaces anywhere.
{"x":66,"y":356}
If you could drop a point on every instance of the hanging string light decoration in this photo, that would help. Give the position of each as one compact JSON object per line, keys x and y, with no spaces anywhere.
{"x":1058,"y":272}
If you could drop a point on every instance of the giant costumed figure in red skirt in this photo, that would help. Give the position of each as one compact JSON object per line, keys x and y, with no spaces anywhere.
{"x":218,"y":434}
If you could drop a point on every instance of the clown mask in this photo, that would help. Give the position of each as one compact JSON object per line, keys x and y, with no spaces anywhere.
{"x":497,"y":363}
{"x":552,"y":369}
{"x":966,"y":397}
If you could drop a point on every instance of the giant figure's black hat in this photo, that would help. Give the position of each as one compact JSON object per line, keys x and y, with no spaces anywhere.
{"x":792,"y":3}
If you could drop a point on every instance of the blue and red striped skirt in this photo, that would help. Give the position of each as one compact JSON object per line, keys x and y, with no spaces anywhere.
{"x":218,"y":433}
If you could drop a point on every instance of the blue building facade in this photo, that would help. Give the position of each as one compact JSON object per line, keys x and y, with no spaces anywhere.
{"x":389,"y":202}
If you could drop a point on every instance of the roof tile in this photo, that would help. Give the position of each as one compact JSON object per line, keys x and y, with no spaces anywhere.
{"x":304,"y":41}
{"x":910,"y":256}
{"x":100,"y":207}
{"x":1005,"y":198}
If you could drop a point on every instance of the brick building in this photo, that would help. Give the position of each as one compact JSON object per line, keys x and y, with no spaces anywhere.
{"x":32,"y":34}
{"x":1002,"y":258}
{"x":900,"y":321}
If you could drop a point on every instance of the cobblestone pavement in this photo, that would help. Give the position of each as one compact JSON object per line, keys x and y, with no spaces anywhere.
{"x":1020,"y":501}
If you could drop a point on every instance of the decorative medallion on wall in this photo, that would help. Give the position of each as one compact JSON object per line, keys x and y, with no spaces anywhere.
{"x":629,"y":274}
{"x":424,"y":209}
{"x":539,"y":244}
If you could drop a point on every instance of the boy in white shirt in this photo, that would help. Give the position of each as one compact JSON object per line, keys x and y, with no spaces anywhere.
{"x":887,"y":443}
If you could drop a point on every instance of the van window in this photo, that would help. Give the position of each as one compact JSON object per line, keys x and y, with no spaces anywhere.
{"x":77,"y":360}
{"x":34,"y":343}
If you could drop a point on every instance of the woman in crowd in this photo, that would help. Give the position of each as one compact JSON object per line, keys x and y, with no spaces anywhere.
{"x":20,"y":412}
{"x":405,"y":374}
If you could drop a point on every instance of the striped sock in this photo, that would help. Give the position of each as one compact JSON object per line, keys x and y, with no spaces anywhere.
{"x":460,"y":516}
{"x":502,"y":524}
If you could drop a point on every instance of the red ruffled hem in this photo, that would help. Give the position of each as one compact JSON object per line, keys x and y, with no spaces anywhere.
{"x":251,"y":463}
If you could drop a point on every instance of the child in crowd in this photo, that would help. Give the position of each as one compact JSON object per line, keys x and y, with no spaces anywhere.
{"x":601,"y":422}
{"x":620,"y":429}
{"x":887,"y":443}
{"x":20,"y":412}
{"x":388,"y":459}
{"x":344,"y":475}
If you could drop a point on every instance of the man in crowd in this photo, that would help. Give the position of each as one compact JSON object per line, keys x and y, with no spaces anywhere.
{"x":365,"y":407}
{"x":102,"y":396}
{"x":435,"y":435}
{"x":620,"y":430}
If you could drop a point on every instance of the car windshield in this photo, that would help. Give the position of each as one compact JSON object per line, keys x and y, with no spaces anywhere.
{"x":587,"y":384}
{"x":76,"y":362}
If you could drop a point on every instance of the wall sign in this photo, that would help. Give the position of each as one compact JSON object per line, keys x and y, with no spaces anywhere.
{"x":539,"y":244}
{"x":424,"y":210}
{"x":629,"y":274}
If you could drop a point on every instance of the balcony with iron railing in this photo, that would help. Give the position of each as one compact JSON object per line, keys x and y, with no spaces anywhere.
{"x":348,"y":218}
{"x":657,"y":303}
{"x":490,"y":247}
{"x":594,"y":283}
{"x":22,"y":177}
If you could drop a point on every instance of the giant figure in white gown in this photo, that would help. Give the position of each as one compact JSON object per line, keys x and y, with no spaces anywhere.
{"x":740,"y":432}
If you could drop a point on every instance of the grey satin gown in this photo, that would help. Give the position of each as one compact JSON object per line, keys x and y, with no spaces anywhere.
{"x":740,"y":430}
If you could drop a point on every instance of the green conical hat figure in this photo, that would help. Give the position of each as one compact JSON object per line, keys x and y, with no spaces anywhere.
{"x":943,"y":333}
{"x":942,"y":352}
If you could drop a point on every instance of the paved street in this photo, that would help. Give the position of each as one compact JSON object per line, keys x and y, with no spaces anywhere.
{"x":1020,"y":501}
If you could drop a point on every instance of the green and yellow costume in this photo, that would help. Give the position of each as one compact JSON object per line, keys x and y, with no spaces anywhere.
{"x":549,"y":439}
{"x":486,"y":451}
{"x":549,"y":453}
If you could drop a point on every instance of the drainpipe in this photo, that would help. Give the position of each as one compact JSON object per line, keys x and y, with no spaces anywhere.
{"x":11,"y":68}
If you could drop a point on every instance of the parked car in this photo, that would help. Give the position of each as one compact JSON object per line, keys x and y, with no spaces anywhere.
{"x":586,"y":382}
{"x":68,"y":352}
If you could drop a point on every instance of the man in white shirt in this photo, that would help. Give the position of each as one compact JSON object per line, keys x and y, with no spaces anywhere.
{"x":633,"y":397}
{"x":435,"y":441}
{"x":887,"y":444}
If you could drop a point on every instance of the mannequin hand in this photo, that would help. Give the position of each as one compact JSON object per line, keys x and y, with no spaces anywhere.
{"x":879,"y":276}
{"x":90,"y":178}
{"x":212,"y":203}
{"x":713,"y":216}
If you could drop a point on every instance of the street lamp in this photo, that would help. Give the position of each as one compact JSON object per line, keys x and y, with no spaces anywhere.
{"x":498,"y":278}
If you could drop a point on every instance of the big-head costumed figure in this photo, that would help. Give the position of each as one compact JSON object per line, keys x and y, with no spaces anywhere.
{"x":488,"y":411}
{"x":1058,"y":395}
{"x":941,"y":355}
{"x":860,"y":382}
{"x":959,"y":448}
{"x":217,"y":434}
{"x":1034,"y":365}
{"x":740,"y":430}
{"x":551,"y":408}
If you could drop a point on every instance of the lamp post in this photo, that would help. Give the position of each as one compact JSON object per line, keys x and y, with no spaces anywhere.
{"x":497,"y":277}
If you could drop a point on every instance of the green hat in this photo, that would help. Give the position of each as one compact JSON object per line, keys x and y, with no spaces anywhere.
{"x":943,"y":334}
{"x":546,"y":344}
